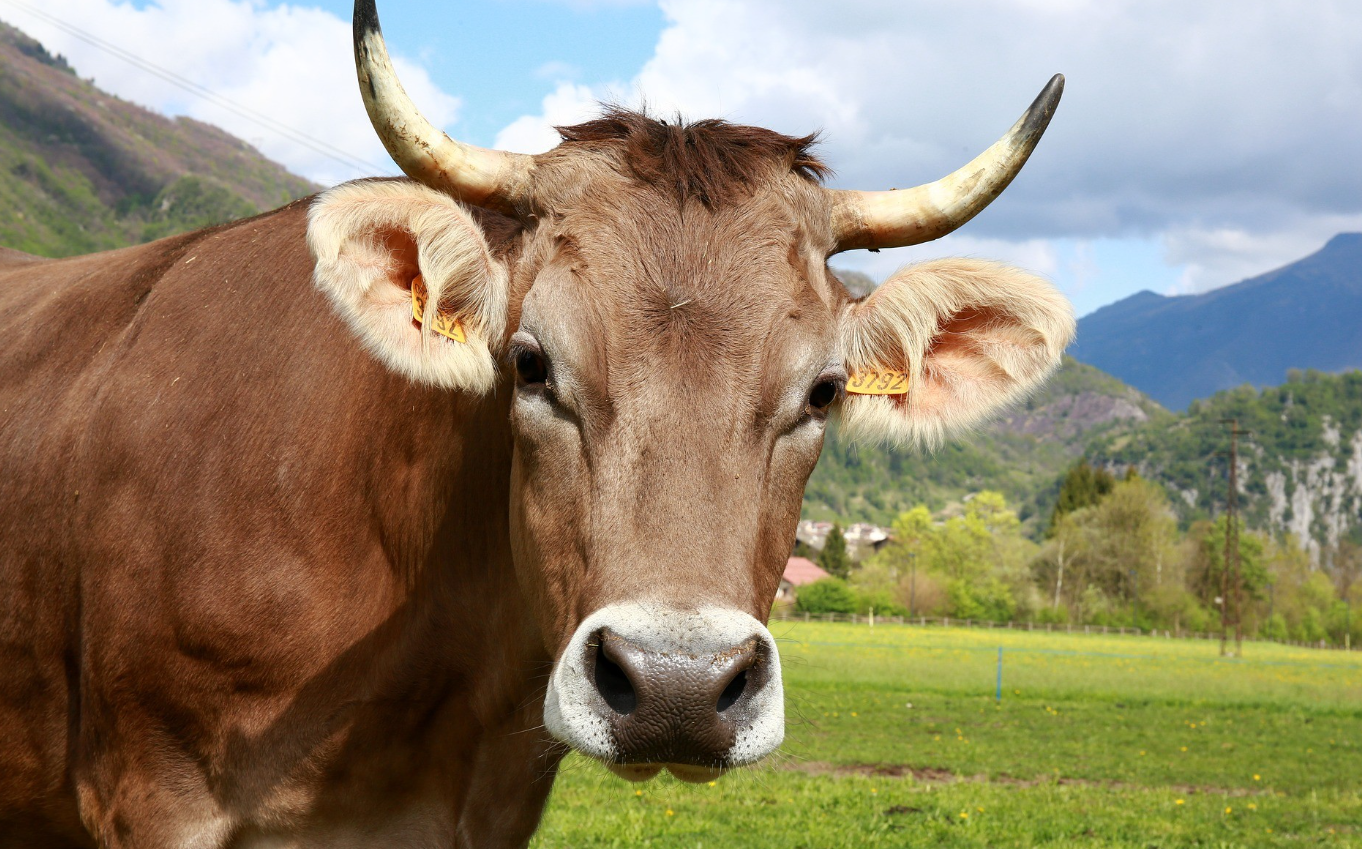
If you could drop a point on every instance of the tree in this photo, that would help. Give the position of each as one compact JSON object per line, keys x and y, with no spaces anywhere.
{"x":1117,"y":553}
{"x":975,"y":563}
{"x":834,"y":558}
{"x":1083,"y":486}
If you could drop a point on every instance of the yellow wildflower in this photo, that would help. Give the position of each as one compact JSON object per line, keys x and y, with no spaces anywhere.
{"x":670,"y":812}
{"x":1180,"y":802}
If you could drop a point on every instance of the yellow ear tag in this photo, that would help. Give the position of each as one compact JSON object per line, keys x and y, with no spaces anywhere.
{"x":881,"y":382}
{"x":444,"y":324}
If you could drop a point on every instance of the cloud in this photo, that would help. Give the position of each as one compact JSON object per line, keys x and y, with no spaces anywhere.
{"x":290,"y":63}
{"x":1179,"y":120}
{"x":567,"y":104}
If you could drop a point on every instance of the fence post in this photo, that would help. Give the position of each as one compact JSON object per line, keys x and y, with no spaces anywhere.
{"x":998,"y":695}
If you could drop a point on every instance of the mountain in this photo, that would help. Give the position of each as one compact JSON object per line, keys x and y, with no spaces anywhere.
{"x":1023,"y":454}
{"x":1300,"y":467}
{"x":1306,"y":315}
{"x":82,"y":171}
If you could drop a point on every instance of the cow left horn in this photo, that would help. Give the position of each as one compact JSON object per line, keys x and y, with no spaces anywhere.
{"x":910,"y":217}
{"x":475,"y":175}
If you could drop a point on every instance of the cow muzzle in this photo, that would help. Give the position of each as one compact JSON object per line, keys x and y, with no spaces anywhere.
{"x":642,"y":688}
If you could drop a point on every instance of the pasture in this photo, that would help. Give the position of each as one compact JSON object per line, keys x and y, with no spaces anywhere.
{"x":1098,"y":741}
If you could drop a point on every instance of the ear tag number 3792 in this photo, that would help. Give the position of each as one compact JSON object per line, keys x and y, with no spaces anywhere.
{"x":878,"y":382}
{"x":444,"y":324}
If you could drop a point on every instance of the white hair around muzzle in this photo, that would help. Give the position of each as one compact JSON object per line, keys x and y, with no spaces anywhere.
{"x":575,"y":712}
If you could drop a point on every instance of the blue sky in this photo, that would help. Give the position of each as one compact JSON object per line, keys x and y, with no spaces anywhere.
{"x":531,"y":44}
{"x":1197,"y":144}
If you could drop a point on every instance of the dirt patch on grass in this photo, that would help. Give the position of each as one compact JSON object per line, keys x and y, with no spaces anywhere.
{"x":941,"y":775}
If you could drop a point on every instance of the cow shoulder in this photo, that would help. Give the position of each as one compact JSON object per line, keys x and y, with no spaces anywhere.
{"x":376,"y":240}
{"x":970,"y":336}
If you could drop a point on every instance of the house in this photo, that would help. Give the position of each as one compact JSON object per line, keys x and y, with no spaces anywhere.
{"x":798,"y":572}
{"x":863,"y":539}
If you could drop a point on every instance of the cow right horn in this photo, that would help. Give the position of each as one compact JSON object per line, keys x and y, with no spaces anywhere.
{"x":895,"y":219}
{"x":488,"y":178}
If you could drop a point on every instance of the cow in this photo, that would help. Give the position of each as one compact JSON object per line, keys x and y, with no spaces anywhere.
{"x":339,"y":526}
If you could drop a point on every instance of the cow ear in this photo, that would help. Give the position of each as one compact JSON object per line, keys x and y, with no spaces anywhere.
{"x":969,"y":336}
{"x":374,"y":241}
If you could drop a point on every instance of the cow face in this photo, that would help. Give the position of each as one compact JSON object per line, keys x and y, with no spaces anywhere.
{"x":675,"y":364}
{"x":658,"y":302}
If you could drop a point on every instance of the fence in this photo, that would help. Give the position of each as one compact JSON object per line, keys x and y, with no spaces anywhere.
{"x":788,"y":615}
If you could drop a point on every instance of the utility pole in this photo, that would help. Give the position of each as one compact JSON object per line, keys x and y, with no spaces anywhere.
{"x":1232,"y":551}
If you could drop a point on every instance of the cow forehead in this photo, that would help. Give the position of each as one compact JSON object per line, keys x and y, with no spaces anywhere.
{"x":646,"y":280}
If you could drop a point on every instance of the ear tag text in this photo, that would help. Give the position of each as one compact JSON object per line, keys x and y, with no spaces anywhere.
{"x":878,"y":382}
{"x":444,"y":324}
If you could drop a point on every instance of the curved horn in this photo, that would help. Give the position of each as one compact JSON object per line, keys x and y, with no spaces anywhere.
{"x":475,"y":175}
{"x":894,"y":219}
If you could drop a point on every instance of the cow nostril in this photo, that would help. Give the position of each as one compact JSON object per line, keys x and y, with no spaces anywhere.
{"x":733,"y":691}
{"x":614,"y":686}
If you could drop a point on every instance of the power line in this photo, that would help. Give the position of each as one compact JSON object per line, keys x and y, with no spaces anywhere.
{"x":297,"y":136}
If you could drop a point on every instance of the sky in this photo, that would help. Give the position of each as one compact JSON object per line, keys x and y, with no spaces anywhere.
{"x":1197,"y":143}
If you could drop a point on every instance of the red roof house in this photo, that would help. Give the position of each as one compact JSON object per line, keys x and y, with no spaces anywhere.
{"x":798,"y":572}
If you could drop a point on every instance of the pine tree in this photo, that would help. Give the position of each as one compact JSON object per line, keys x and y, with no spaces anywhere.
{"x":1083,"y":486}
{"x":834,"y":558}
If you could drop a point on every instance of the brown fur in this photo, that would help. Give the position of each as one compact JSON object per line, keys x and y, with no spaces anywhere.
{"x":712,"y":161}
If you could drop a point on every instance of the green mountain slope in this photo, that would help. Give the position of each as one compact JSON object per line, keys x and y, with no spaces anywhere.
{"x":1022,"y":454}
{"x":1300,"y":470}
{"x":81,"y":170}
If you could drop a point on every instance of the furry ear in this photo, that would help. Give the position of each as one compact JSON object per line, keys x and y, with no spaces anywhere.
{"x":972,"y":337}
{"x":371,"y":241}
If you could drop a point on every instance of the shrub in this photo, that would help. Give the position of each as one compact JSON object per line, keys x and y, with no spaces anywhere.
{"x":830,"y":595}
{"x":882,"y":601}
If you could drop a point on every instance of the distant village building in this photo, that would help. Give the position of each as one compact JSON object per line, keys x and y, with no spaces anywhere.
{"x":798,"y":572}
{"x":863,"y":539}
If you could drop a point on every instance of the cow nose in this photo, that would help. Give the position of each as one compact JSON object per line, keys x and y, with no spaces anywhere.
{"x":675,"y":706}
{"x":643,"y":687}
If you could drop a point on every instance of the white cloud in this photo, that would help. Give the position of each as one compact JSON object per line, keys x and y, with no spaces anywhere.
{"x":293,"y":64}
{"x":1035,"y":255}
{"x":1217,"y":256}
{"x":567,"y":104}
{"x":1180,"y":120}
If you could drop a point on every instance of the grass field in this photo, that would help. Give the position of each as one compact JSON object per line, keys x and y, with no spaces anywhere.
{"x":895,"y":739}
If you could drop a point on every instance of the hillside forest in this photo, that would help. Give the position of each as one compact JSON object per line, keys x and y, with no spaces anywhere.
{"x":83,"y":171}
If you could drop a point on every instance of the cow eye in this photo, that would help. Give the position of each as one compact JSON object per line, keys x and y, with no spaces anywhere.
{"x":531,"y":367}
{"x":824,"y":392}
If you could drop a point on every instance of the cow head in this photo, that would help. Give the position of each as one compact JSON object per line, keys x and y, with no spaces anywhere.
{"x":658,"y":296}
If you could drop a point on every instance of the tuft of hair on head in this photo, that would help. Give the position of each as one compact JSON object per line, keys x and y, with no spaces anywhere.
{"x":711,"y":161}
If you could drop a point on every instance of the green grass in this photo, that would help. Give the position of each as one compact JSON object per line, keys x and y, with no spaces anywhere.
{"x":1099,"y":741}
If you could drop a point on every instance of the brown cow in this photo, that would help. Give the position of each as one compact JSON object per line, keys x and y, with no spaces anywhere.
{"x":282,"y":567}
